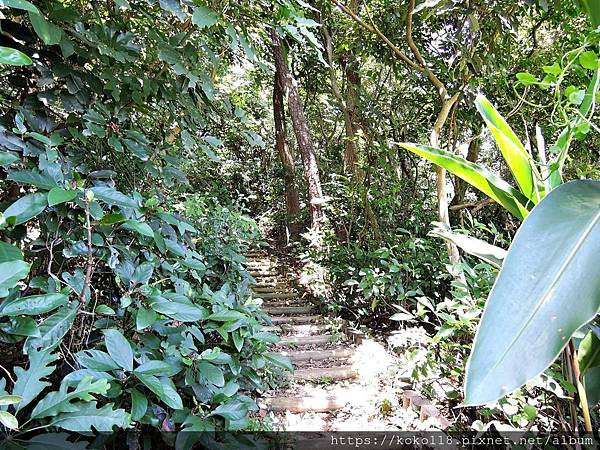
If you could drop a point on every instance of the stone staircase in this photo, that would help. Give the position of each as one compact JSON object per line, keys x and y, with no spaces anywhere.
{"x":339,"y":378}
{"x":319,"y":352}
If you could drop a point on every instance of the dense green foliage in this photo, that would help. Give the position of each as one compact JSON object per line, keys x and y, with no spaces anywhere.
{"x":137,"y":169}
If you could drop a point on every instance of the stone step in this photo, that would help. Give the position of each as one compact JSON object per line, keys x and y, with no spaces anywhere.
{"x":264,"y":274}
{"x":317,"y":355}
{"x":307,"y":340}
{"x":289,"y":328}
{"x":306,"y":404}
{"x":279,"y":310}
{"x":278,"y":320}
{"x":325,"y":373}
{"x":278,"y":284}
{"x":278,"y":295}
{"x":271,"y":289}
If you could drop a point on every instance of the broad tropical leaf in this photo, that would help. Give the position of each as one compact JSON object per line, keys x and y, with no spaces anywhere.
{"x":87,"y":416}
{"x":32,"y":305}
{"x":13,"y":57}
{"x":489,"y":253}
{"x":61,"y":401}
{"x":9,"y":252}
{"x":8,"y":420}
{"x":529,"y":316}
{"x":119,"y":349}
{"x":59,"y":195}
{"x":54,"y":328}
{"x":27,"y":207}
{"x":477,"y":176}
{"x":29,"y":382}
{"x":11,"y":272}
{"x":514,"y":153}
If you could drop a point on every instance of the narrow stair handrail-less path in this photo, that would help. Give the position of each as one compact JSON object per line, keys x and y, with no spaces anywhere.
{"x":339,"y":380}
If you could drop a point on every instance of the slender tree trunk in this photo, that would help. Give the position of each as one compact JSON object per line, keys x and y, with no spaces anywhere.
{"x":305,"y":144}
{"x":292,"y":203}
{"x":347,"y":104}
{"x":442,"y":195}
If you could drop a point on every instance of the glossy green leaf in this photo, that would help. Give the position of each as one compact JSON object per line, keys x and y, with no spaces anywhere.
{"x":139,"y":404}
{"x":96,"y":360}
{"x":178,"y":308}
{"x":33,"y":305}
{"x":47,"y":31}
{"x":9,"y":252}
{"x":34,"y":178}
{"x":54,"y":328}
{"x":477,"y":176}
{"x":113,"y":197}
{"x":8,"y":420}
{"x":60,"y":401}
{"x":11,"y":272}
{"x":21,"y":326}
{"x":211,"y":373}
{"x":227,"y":315}
{"x":140,"y":227}
{"x":13,"y":57}
{"x":87,"y":417}
{"x":119,"y":348}
{"x":29,"y":382}
{"x":489,"y":253}
{"x":529,"y":316}
{"x":514,"y":153}
{"x":27,"y":207}
{"x":21,"y":4}
{"x":204,"y":17}
{"x":57,"y":195}
{"x":7,"y":158}
{"x":279,"y":360}
{"x":144,"y":318}
{"x":153,"y":367}
{"x":158,"y":386}
{"x":589,"y":350}
{"x":9,"y":399}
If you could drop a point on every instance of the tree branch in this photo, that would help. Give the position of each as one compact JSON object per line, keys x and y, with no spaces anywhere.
{"x":373,"y":29}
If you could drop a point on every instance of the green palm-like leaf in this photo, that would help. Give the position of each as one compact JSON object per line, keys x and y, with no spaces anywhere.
{"x":549,"y":287}
{"x":514,"y":153}
{"x":484,"y":180}
{"x":489,"y":253}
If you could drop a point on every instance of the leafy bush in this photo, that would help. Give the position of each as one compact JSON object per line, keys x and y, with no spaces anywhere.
{"x":128,"y":314}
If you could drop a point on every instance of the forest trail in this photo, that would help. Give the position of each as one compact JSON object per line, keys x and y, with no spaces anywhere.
{"x":340,"y":382}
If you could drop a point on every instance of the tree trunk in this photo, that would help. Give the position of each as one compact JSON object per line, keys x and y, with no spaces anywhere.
{"x":352,"y":84}
{"x":305,"y":144}
{"x":292,"y":204}
{"x":442,"y":195}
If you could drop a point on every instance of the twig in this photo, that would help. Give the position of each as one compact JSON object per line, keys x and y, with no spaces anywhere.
{"x":7,"y":374}
{"x":90,"y":254}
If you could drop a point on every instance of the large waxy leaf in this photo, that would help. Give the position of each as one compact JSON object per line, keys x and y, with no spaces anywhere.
{"x":96,"y":360}
{"x":113,"y":197}
{"x":7,"y":158}
{"x":178,"y":308}
{"x":58,"y":195}
{"x":27,"y":207}
{"x":13,"y":57}
{"x":549,"y":287}
{"x":29,"y":382}
{"x":211,"y":373}
{"x":87,"y":416}
{"x":54,"y":328}
{"x":47,"y":31}
{"x":10,"y":274}
{"x":163,"y":388}
{"x":513,"y":151}
{"x":119,"y":349}
{"x":489,"y":253}
{"x":139,"y":404}
{"x":32,"y":305}
{"x":34,"y":178}
{"x":9,"y":252}
{"x":477,"y":176}
{"x":279,"y":360}
{"x":61,"y":401}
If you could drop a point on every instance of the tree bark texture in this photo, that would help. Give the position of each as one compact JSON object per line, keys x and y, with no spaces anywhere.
{"x":286,"y":155}
{"x":303,"y":137}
